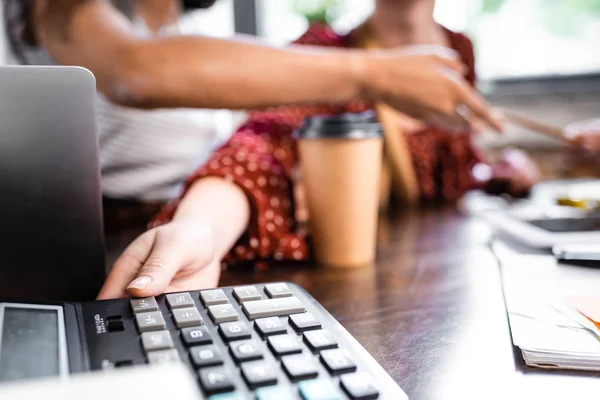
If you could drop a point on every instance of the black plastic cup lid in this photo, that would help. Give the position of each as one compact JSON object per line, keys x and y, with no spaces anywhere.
{"x":341,"y":126}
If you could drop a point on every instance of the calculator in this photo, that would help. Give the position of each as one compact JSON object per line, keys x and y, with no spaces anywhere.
{"x":259,"y":342}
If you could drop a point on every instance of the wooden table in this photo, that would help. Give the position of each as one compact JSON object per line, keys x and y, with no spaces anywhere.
{"x":430,"y":311}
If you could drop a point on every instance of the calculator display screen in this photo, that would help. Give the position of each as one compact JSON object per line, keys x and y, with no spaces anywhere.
{"x":566,"y":225}
{"x":29,"y":343}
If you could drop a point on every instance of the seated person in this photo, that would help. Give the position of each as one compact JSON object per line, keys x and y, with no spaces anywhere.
{"x":242,"y":198}
{"x":142,"y":61}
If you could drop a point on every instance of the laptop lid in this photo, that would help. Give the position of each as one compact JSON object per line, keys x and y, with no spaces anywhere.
{"x":51,"y":236}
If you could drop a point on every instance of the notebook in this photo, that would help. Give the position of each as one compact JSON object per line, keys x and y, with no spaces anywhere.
{"x":544,"y":303}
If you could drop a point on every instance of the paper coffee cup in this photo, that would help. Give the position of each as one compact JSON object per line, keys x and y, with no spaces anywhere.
{"x":340,"y":158}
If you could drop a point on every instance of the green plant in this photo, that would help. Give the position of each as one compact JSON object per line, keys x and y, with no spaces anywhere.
{"x":320,"y":11}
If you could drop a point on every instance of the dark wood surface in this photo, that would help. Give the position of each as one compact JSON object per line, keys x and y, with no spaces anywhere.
{"x":431,"y":310}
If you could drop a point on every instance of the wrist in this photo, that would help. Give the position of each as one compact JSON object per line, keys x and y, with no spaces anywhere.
{"x":357,"y":66}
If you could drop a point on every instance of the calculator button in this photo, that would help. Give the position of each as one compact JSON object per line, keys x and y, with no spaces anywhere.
{"x":274,"y":393}
{"x":300,"y":367}
{"x":270,"y":326}
{"x":213,"y":297}
{"x":186,"y":317}
{"x":215,"y":380}
{"x":163,"y":356}
{"x":227,"y":396}
{"x":283,"y":345}
{"x":159,"y":340}
{"x":273,"y":308}
{"x":337,"y":361}
{"x":278,"y":290}
{"x":319,"y":340}
{"x":237,"y":330}
{"x":196,"y":335}
{"x":359,"y":387}
{"x":246,"y":293}
{"x":223,"y":313}
{"x":150,"y":321}
{"x":321,"y":389}
{"x":245,"y":351}
{"x":258,"y":374}
{"x":179,"y":300}
{"x":206,"y":356}
{"x":143,"y":305}
{"x":304,"y":322}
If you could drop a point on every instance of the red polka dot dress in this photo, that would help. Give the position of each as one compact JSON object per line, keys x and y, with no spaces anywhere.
{"x":261,"y":158}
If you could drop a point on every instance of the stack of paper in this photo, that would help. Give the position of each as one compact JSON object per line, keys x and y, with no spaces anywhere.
{"x":541,"y":300}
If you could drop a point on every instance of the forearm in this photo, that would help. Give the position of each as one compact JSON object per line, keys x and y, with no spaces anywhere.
{"x":191,"y":71}
{"x":220,"y":204}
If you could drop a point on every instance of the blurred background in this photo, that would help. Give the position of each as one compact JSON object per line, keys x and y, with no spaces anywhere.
{"x":540,"y":57}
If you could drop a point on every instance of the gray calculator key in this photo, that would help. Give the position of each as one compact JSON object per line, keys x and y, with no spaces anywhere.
{"x":304,"y":322}
{"x":283,"y":345}
{"x":186,"y":317}
{"x":237,"y":330}
{"x":300,"y":367}
{"x":258,"y":374}
{"x":320,"y":340}
{"x":337,"y":361}
{"x":246,"y":293}
{"x":159,"y":340}
{"x":359,"y":387}
{"x":273,"y":307}
{"x":143,"y":305}
{"x":196,"y":335}
{"x":270,"y":326}
{"x":248,"y":350}
{"x":150,"y":321}
{"x":213,"y":297}
{"x":278,"y":290}
{"x":206,"y":356}
{"x":163,"y":356}
{"x":180,"y":300}
{"x":223,"y":313}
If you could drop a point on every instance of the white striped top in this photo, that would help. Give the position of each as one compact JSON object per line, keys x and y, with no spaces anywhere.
{"x":146,"y":154}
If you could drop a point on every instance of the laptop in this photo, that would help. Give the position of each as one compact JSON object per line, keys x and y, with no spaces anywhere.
{"x":51,"y":234}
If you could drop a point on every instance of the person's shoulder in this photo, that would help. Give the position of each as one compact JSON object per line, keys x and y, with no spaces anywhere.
{"x":321,"y":35}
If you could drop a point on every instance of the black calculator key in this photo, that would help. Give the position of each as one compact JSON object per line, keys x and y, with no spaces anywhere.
{"x":248,"y":350}
{"x":320,"y":340}
{"x":300,"y":367}
{"x":206,"y":356}
{"x":282,"y":345}
{"x":196,"y":335}
{"x":270,"y":326}
{"x":237,"y":330}
{"x":278,"y":290}
{"x":304,"y":322}
{"x":258,"y":374}
{"x":215,"y":380}
{"x":246,"y":293}
{"x":359,"y":387}
{"x":337,"y":361}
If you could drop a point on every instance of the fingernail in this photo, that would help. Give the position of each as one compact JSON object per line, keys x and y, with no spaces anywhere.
{"x":140,"y":283}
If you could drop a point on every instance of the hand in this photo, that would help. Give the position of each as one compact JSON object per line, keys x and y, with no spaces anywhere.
{"x":515,"y":174}
{"x":585,"y":135}
{"x":174,"y":257}
{"x":426,"y":82}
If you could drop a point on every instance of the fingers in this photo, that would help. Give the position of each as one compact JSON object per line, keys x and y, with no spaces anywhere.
{"x":445,"y":57}
{"x":127,"y":266}
{"x":479,"y":107}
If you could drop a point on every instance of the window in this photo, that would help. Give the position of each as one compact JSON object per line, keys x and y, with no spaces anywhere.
{"x":513,"y":38}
